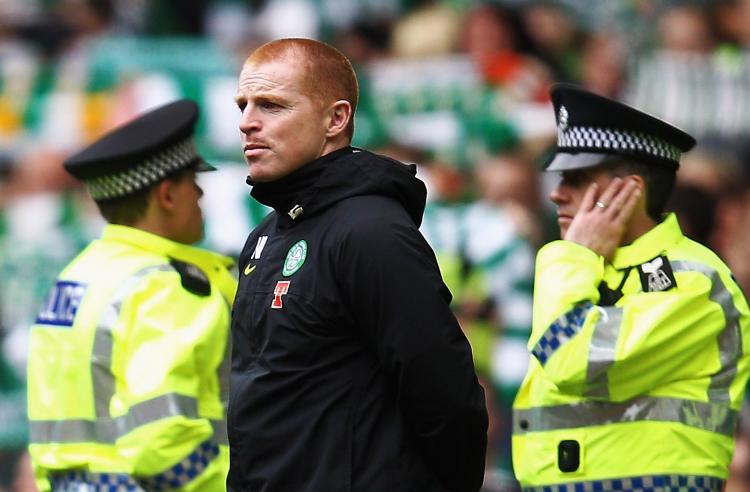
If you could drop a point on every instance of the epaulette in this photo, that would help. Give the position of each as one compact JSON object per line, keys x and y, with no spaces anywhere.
{"x":193,"y":279}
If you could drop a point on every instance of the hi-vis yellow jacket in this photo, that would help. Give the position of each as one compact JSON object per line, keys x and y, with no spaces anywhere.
{"x":128,"y":368}
{"x":635,"y":385}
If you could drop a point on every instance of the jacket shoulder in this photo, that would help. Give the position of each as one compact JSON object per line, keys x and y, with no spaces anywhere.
{"x":365,"y":211}
{"x":192,"y":278}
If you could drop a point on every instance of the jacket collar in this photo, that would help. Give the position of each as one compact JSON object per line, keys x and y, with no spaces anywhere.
{"x":650,"y":245}
{"x":297,"y":188}
{"x":141,"y":239}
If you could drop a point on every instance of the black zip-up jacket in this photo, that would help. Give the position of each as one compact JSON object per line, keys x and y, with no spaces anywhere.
{"x":349,"y":371}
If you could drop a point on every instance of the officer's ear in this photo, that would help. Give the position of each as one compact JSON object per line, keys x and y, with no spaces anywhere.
{"x":164,"y":194}
{"x":638,"y":179}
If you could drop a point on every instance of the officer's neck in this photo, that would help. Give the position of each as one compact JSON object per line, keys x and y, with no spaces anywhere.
{"x":639,"y":224}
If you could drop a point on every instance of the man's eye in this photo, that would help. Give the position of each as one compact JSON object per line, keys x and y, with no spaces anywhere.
{"x":572,"y":179}
{"x":269,"y":105}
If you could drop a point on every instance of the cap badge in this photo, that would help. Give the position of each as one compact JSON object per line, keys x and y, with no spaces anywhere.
{"x":295,"y":258}
{"x":563,"y":118}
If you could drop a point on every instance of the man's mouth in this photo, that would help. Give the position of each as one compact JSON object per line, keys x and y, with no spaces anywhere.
{"x":253,"y":149}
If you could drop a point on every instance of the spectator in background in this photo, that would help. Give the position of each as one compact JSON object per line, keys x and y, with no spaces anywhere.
{"x":128,"y":360}
{"x":554,"y":36}
{"x":365,"y":42}
{"x":500,"y":232}
{"x":696,"y":208}
{"x":686,"y":65}
{"x":431,"y":29}
{"x":709,"y":182}
{"x":344,"y":346}
{"x":495,"y":40}
{"x":730,"y":235}
{"x":686,"y":29}
{"x":731,"y":19}
{"x":603,"y":64}
{"x":510,"y":180}
{"x":640,"y":335}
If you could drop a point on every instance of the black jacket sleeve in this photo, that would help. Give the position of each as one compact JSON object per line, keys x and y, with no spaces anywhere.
{"x":392,"y":285}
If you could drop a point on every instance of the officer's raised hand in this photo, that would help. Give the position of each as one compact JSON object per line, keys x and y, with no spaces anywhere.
{"x":602,"y":218}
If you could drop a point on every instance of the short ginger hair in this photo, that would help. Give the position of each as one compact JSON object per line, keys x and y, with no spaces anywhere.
{"x":327,"y":75}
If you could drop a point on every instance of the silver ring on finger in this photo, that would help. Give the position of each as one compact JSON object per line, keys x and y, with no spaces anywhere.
{"x":601,"y":205}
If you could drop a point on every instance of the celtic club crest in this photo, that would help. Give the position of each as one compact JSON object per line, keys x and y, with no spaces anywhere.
{"x":295,"y":258}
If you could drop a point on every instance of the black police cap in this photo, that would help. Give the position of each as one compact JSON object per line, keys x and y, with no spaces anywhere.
{"x":140,"y":153}
{"x":592,"y":129}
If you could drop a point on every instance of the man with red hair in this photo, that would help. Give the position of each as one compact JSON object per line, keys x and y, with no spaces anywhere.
{"x":349,"y":370}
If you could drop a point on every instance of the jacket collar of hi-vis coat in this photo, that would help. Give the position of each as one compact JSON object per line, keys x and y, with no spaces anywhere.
{"x":208,"y":261}
{"x":651,"y":244}
{"x":157,"y":244}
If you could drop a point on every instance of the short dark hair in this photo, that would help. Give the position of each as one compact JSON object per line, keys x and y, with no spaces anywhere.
{"x":125,"y":210}
{"x":128,"y":209}
{"x":660,"y":181}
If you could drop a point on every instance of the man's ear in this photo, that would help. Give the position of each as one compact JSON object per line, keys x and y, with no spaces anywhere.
{"x":339,"y":115}
{"x":639,"y":181}
{"x":164,"y":195}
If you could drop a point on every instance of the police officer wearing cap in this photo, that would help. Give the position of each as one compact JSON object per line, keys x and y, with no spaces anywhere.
{"x":640,"y":335}
{"x":128,"y":356}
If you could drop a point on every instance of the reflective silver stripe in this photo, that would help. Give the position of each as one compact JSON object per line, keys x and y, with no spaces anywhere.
{"x":161,"y":407}
{"x":72,"y":430}
{"x":220,"y":431}
{"x":729,"y":339}
{"x":224,"y":372}
{"x":107,"y":430}
{"x":714,"y":417}
{"x":602,"y":351}
{"x":101,"y":357}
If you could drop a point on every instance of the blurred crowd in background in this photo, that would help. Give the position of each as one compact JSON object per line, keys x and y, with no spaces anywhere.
{"x":459,"y":87}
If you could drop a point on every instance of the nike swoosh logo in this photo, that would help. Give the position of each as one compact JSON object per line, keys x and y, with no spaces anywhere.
{"x":249,"y":269}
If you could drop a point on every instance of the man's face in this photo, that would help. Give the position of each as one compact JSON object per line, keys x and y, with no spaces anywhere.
{"x":188,"y":217}
{"x":568,"y":194}
{"x":282,"y":127}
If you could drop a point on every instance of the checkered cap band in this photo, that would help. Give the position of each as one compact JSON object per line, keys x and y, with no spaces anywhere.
{"x":653,"y":483}
{"x":584,"y":137}
{"x":151,"y":171}
{"x":183,"y":472}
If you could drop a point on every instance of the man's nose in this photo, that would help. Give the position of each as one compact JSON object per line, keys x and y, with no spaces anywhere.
{"x":557,"y":195}
{"x":249,"y":121}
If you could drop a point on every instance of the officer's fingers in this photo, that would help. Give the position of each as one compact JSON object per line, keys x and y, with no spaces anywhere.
{"x":589,"y":198}
{"x":617,"y":202}
{"x":631,"y":200}
{"x":611,"y":191}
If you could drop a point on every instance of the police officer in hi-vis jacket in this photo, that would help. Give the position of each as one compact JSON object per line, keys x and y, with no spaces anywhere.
{"x":128,"y":357}
{"x":640,"y":339}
